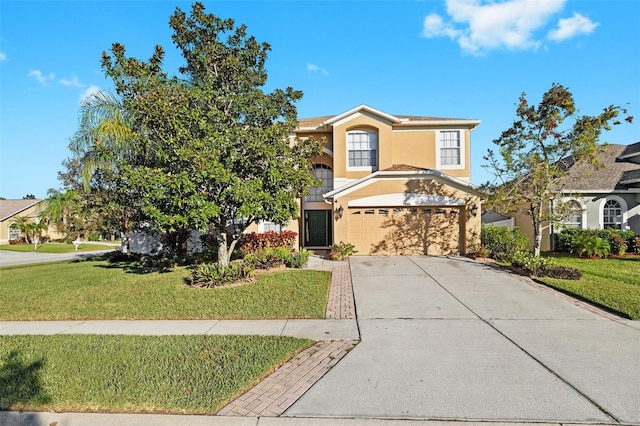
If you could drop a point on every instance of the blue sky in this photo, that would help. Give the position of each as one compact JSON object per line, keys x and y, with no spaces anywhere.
{"x":454,"y":58}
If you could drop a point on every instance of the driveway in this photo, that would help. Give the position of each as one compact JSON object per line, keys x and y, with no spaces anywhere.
{"x":449,"y":338}
{"x":9,"y":258}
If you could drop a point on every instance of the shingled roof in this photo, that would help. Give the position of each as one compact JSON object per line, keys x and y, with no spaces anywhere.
{"x":617,"y":168}
{"x":9,"y":208}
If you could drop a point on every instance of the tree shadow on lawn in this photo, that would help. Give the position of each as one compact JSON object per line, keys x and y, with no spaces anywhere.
{"x":133,"y":264}
{"x":21,"y":382}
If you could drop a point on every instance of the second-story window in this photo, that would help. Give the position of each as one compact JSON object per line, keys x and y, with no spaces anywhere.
{"x":362,"y":148}
{"x":450,"y":148}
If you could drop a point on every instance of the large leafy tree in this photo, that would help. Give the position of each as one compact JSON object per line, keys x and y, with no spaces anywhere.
{"x":537,"y":151}
{"x":210,"y":151}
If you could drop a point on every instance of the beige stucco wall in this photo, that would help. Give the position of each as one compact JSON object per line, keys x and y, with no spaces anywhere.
{"x":523,"y":221}
{"x":467,"y":226}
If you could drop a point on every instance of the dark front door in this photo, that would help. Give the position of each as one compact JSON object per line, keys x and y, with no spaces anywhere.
{"x":317,"y":228}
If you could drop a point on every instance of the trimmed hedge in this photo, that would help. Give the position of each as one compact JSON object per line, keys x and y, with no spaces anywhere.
{"x":620,"y":242}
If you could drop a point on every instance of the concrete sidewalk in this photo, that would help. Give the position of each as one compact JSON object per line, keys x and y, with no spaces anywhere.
{"x":310,"y":329}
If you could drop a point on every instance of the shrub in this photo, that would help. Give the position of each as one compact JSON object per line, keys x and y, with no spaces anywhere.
{"x":253,"y":242}
{"x":634,"y":245}
{"x":342,"y":250}
{"x":17,"y":241}
{"x":617,"y":244}
{"x":502,"y":242}
{"x":592,"y":246}
{"x":214,"y":274}
{"x":298,"y":259}
{"x":269,"y":257}
{"x":94,"y":236}
{"x":619,"y":241}
{"x":533,"y":265}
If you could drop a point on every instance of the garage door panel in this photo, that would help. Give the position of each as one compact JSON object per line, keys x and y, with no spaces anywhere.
{"x":405,"y":231}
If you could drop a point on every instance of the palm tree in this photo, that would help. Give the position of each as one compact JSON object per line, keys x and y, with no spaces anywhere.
{"x":26,"y":224}
{"x":59,"y":207}
{"x":103,"y":134}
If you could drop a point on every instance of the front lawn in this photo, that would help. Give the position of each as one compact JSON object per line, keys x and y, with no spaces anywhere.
{"x":612,"y":282}
{"x":56,"y":248}
{"x":99,"y":290}
{"x":157,"y":374}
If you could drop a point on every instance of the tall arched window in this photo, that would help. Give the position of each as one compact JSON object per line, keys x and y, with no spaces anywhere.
{"x":14,"y":232}
{"x":324,"y":173}
{"x":612,"y":215}
{"x":573,"y":219}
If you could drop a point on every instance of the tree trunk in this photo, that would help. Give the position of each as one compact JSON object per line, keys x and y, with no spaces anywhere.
{"x":225,"y":251}
{"x":537,"y":238}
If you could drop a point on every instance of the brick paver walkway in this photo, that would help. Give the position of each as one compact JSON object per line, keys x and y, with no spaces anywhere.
{"x":272,"y":396}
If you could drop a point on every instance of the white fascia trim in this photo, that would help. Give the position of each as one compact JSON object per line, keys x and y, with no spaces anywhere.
{"x":603,"y":191}
{"x":630,"y":181}
{"x":470,"y":123}
{"x":363,"y":108}
{"x":434,"y":174}
{"x":406,"y":199}
{"x":319,"y":129}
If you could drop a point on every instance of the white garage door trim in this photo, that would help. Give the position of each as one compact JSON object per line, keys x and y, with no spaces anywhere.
{"x":404,"y":199}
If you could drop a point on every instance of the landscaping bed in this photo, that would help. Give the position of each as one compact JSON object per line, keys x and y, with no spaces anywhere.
{"x":96,"y":289}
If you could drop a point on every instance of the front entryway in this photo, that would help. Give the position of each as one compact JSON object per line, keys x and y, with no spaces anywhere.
{"x":317,"y":228}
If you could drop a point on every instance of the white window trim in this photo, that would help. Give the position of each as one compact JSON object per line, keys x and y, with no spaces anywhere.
{"x":583,"y":224}
{"x":463,"y":153}
{"x":261,"y":226}
{"x":9,"y":231}
{"x":623,"y":207}
{"x":363,"y":168}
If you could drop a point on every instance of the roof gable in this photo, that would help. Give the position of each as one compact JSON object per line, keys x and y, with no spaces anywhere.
{"x":9,"y":208}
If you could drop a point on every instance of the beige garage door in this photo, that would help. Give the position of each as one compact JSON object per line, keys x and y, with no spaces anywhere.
{"x":405,"y":230}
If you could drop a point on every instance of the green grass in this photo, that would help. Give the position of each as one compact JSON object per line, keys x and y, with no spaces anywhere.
{"x":55,"y":248}
{"x":98,"y":290}
{"x":159,"y":374}
{"x":613,"y":283}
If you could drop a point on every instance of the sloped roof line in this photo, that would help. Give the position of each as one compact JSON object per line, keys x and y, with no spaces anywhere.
{"x":9,"y":208}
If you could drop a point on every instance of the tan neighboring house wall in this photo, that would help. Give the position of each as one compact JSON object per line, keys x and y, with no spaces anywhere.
{"x":10,"y":209}
{"x":408,"y":202}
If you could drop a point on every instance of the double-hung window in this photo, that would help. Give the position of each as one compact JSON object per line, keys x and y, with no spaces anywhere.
{"x":362,"y":148}
{"x":450,"y":148}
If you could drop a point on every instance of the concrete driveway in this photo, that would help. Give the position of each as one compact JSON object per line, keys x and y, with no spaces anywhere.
{"x":449,"y":338}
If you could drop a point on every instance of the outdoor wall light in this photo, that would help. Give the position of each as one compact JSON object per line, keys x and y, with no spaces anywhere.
{"x":474,"y":210}
{"x":340,"y":212}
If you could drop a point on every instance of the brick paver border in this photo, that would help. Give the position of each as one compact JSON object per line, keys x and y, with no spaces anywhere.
{"x":273,"y":395}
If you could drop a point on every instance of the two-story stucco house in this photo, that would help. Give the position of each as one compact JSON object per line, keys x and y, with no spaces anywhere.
{"x":391,"y":184}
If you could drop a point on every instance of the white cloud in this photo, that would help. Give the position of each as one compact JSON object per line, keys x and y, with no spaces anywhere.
{"x":89,"y":92}
{"x":571,"y":27}
{"x":74,"y":82}
{"x":314,"y":68}
{"x":481,"y":25}
{"x":3,"y":57}
{"x":40,"y":77}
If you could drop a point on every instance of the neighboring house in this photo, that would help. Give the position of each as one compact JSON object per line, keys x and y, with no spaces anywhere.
{"x":391,"y":184}
{"x":606,"y":197}
{"x":9,"y":210}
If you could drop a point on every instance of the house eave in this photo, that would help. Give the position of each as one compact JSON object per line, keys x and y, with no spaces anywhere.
{"x":453,"y":181}
{"x":602,"y":191}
